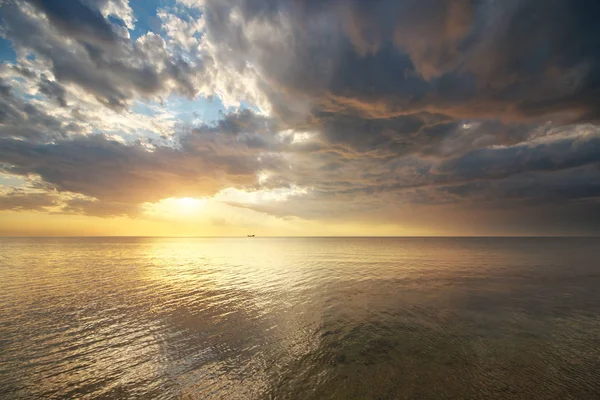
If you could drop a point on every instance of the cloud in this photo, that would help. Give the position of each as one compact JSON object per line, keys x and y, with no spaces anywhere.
{"x":76,"y":19}
{"x":498,"y":163}
{"x":116,"y":175}
{"x":106,"y":169}
{"x":378,"y":60}
{"x":53,"y":90}
{"x":393,"y":58}
{"x":21,"y":200}
{"x":82,"y":48}
{"x":373,"y":107}
{"x":20,"y":118}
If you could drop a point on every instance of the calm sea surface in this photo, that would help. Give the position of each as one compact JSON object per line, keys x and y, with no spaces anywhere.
{"x":318,"y":318}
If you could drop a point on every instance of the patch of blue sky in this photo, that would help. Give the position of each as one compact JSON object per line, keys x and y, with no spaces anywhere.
{"x":7,"y":52}
{"x":17,"y":90}
{"x":200,"y":110}
{"x":129,"y":138}
{"x":30,"y":97}
{"x":7,"y":180}
{"x":187,"y":14}
{"x":96,"y":131}
{"x":145,"y":12}
{"x":116,"y":21}
{"x":244,"y":105}
{"x":126,"y":137}
{"x":146,"y":108}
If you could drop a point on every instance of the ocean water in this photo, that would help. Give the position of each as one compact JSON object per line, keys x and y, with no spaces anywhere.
{"x":300,"y":318}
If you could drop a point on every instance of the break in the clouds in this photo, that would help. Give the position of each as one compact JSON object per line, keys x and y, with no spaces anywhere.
{"x":437,"y":112}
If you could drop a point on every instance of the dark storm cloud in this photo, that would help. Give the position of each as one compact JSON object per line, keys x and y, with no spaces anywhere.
{"x":370,"y":75}
{"x":242,"y":122}
{"x":77,"y":19}
{"x":536,"y":188}
{"x":488,"y":175}
{"x":396,"y":135}
{"x":513,"y":59}
{"x":463,"y":83}
{"x":497,"y":163}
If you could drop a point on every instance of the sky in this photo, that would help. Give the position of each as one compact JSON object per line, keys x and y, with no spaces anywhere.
{"x":299,"y":117}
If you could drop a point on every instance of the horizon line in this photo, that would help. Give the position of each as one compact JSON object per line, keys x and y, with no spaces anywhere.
{"x":294,"y":236}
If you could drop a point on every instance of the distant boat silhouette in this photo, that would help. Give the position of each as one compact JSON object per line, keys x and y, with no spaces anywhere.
{"x":250,"y":235}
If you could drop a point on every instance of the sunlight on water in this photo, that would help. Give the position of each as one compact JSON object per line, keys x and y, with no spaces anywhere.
{"x":299,"y":318}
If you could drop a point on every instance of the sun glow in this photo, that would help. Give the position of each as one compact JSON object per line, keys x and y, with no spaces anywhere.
{"x":176,"y":208}
{"x":230,"y":206}
{"x":188,"y":205}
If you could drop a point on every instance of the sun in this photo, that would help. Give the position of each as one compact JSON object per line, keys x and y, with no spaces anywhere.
{"x":176,"y":208}
{"x":187,"y":205}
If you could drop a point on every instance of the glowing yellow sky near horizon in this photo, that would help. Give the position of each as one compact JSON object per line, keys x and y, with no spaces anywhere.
{"x":46,"y":224}
{"x":235,"y":212}
{"x":187,"y":216}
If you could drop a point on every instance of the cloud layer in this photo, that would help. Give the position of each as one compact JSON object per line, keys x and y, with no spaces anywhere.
{"x":369,"y":110}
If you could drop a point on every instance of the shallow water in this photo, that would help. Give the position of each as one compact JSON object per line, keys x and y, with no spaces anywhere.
{"x":313,"y":318}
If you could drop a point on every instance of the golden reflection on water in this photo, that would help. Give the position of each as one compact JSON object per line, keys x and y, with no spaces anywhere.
{"x":299,"y":318}
{"x":239,"y":288}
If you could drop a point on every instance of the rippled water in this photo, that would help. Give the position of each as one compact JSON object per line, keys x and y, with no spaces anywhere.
{"x":317,"y":318}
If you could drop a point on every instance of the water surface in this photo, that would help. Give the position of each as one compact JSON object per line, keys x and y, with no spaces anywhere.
{"x":313,"y":318}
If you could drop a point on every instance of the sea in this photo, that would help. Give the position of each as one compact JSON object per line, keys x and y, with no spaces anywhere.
{"x":299,"y":318}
